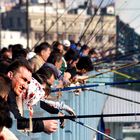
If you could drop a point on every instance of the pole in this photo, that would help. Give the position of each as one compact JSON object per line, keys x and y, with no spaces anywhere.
{"x":83,"y":116}
{"x":93,"y":129}
{"x":27,"y":22}
{"x":57,"y":22}
{"x":95,"y":85}
{"x":45,"y":20}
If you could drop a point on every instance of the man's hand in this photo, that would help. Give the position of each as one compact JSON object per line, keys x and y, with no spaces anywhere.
{"x":50,"y":126}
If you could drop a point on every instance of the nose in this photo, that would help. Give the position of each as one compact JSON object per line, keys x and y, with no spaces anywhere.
{"x":25,"y":86}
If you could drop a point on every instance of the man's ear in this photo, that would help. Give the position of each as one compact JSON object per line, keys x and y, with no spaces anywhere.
{"x":10,"y":74}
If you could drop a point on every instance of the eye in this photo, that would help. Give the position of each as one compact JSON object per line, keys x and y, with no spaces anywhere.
{"x":25,"y":80}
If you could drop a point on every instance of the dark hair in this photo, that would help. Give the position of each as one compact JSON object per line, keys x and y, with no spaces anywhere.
{"x":5,"y":85}
{"x":55,"y":46}
{"x":84,"y":47}
{"x":42,"y":75}
{"x":21,"y":53}
{"x":45,"y":72}
{"x":15,"y":65}
{"x":85,"y":63}
{"x":71,"y":55}
{"x":3,"y":50}
{"x":15,"y":49}
{"x":41,"y":47}
{"x":92,"y":51}
{"x":54,"y":57}
{"x":5,"y":119}
{"x":4,"y":65}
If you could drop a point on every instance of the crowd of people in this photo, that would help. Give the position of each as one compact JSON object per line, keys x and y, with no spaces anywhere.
{"x":64,"y":62}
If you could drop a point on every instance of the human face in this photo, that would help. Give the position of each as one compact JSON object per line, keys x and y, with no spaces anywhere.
{"x":51,"y":79}
{"x":59,"y":64}
{"x":45,"y":54}
{"x":20,"y":80}
{"x":61,"y":48}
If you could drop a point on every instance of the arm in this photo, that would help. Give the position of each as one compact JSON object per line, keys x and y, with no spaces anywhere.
{"x":48,"y":126}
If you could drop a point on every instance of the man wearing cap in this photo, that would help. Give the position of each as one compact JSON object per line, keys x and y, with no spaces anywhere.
{"x":66,"y":44}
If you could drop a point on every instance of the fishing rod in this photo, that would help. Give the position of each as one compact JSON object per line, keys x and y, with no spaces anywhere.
{"x":95,"y":85}
{"x":124,"y":25}
{"x":108,"y":28}
{"x":111,"y":95}
{"x":89,"y":37}
{"x":70,"y":25}
{"x":112,"y":70}
{"x":93,"y":129}
{"x":82,"y":116}
{"x":80,"y":38}
{"x":124,"y":75}
{"x":117,"y":57}
{"x":54,"y":23}
{"x":120,"y":29}
{"x":99,"y":20}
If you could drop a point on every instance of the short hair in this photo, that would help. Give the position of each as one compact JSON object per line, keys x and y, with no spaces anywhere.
{"x":15,"y":65}
{"x":41,"y":47}
{"x":85,"y":63}
{"x":4,"y":65}
{"x":45,"y":73}
{"x":84,"y":47}
{"x":54,"y":57}
{"x":42,"y":75}
{"x":5,"y":85}
{"x":71,"y":55}
{"x":5,"y":119}
{"x":21,"y":53}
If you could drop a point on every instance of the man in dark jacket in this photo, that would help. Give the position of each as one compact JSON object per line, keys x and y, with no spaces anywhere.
{"x":20,"y":73}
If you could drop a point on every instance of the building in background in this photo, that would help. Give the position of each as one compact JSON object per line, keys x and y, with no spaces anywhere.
{"x":51,"y":21}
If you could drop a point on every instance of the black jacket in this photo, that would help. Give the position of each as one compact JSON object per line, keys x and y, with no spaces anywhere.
{"x":37,"y":124}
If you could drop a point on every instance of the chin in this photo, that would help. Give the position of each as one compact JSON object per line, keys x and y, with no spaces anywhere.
{"x":18,"y":93}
